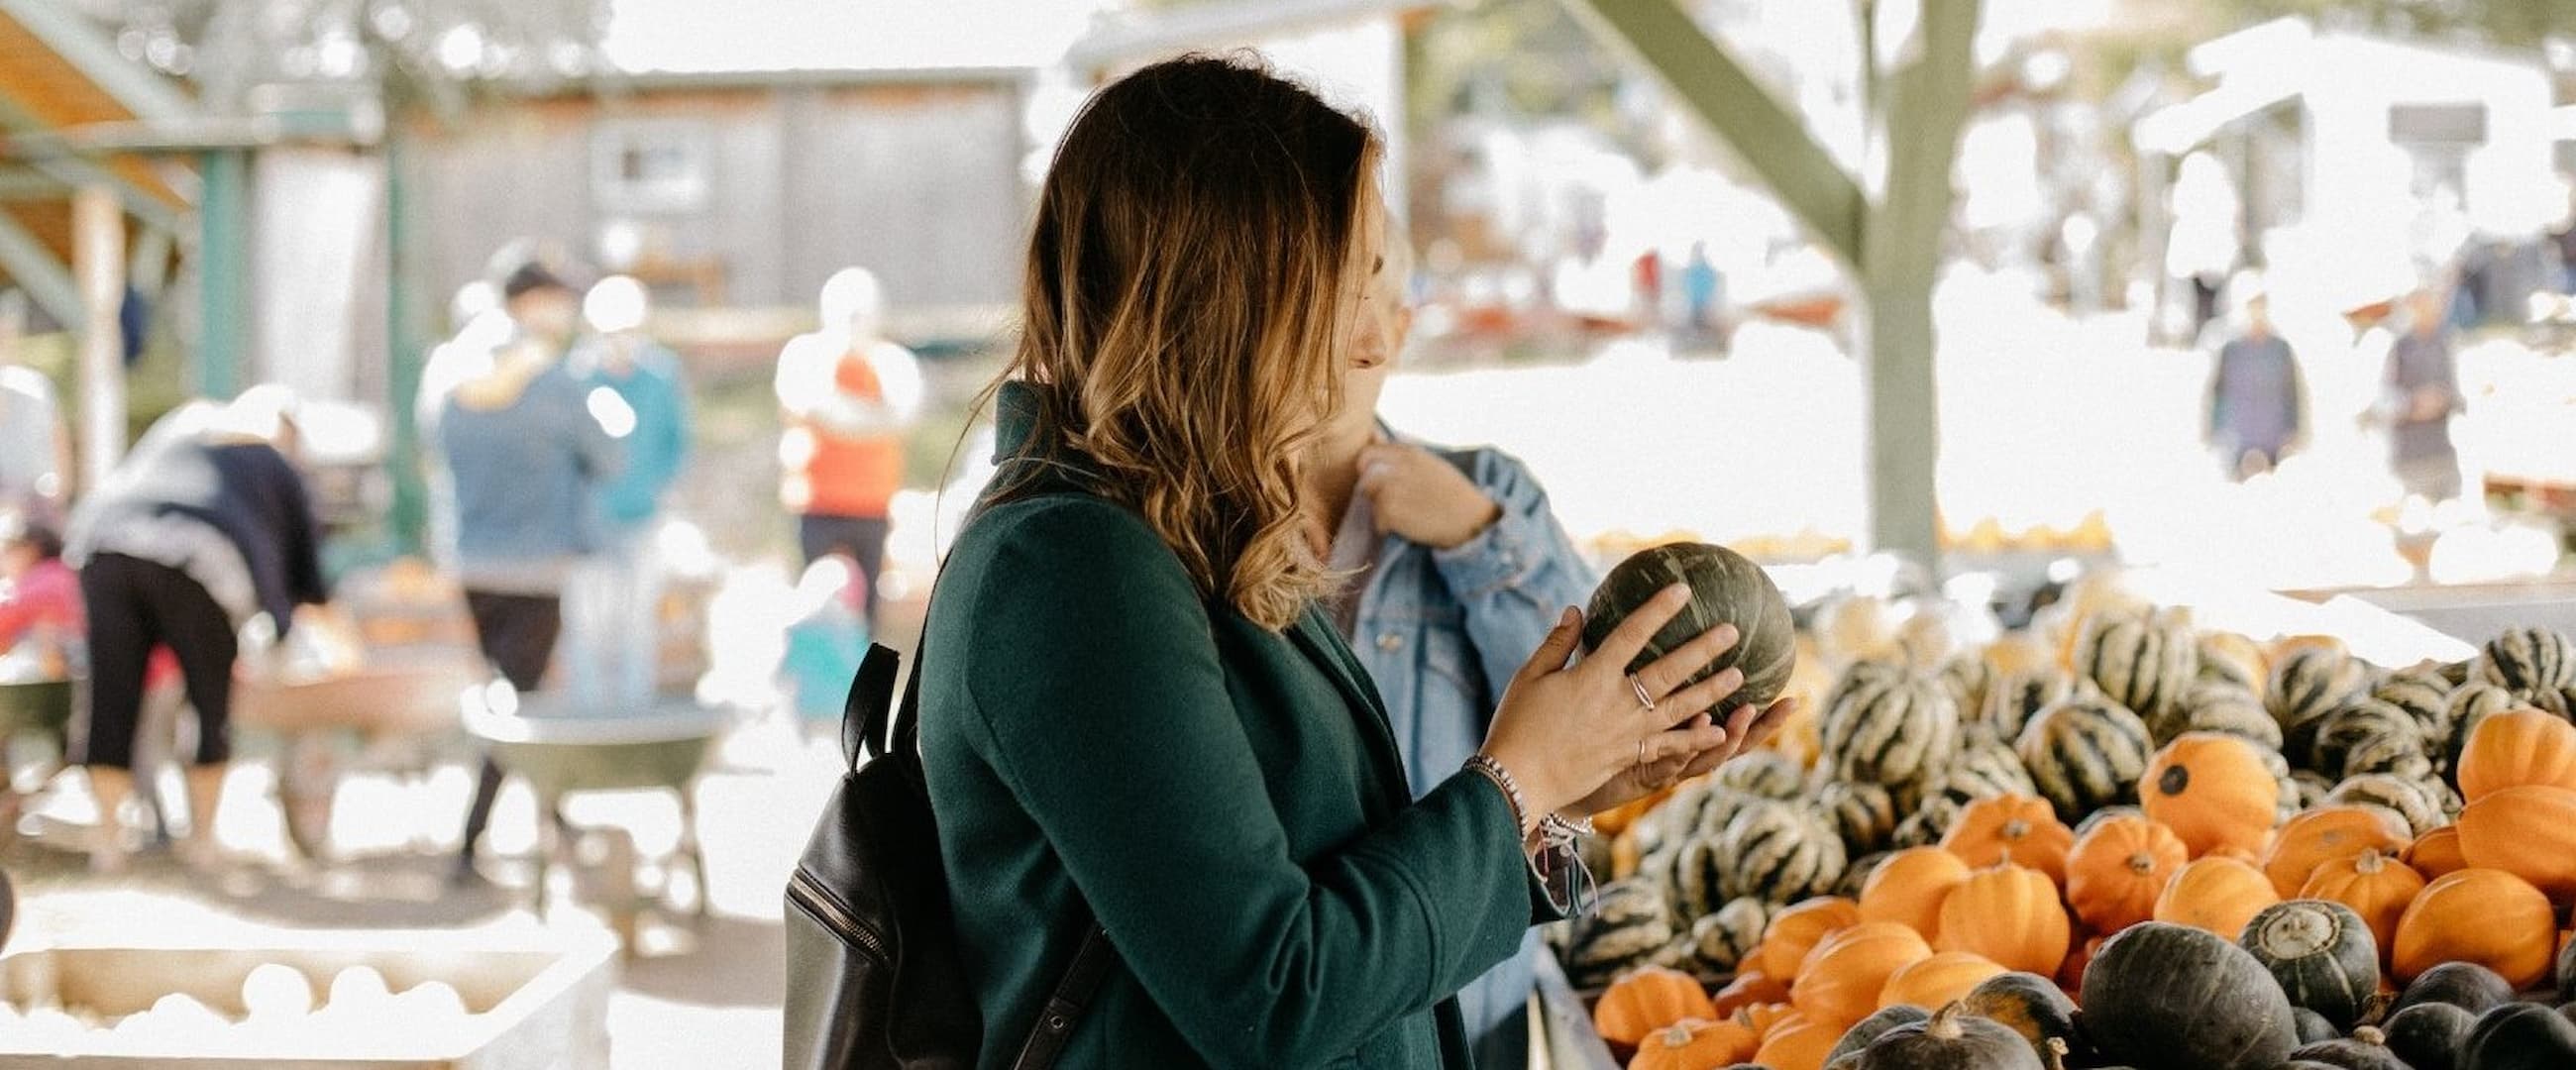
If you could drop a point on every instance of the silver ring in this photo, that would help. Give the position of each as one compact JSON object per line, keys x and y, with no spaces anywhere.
{"x":1639,"y":686}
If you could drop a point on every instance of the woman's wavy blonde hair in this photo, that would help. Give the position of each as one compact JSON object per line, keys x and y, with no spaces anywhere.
{"x":1189,"y":273}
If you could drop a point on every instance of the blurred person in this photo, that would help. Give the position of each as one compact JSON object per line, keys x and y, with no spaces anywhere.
{"x":35,"y":442}
{"x":40,"y":603}
{"x":2203,"y":243}
{"x":1703,"y":291}
{"x":204,"y":534}
{"x":481,"y":327}
{"x":1451,"y":565}
{"x":2420,"y":394}
{"x":850,"y":396}
{"x":614,"y":605}
{"x":824,"y":643}
{"x":1145,"y":743}
{"x":2257,"y":396}
{"x":529,"y":451}
{"x":2563,"y":240}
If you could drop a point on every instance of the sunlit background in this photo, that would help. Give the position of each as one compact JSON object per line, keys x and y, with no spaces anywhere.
{"x":197,"y":196}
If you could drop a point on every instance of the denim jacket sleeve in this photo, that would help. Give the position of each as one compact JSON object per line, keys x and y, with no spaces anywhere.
{"x":1516,"y":576}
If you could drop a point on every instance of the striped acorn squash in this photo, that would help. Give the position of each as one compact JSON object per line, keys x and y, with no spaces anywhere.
{"x":2370,"y":736}
{"x":1864,"y":814}
{"x":2217,"y":706}
{"x":2529,"y":659}
{"x":2144,"y":663}
{"x":2307,"y":686}
{"x":2084,"y":754}
{"x":1778,"y":853}
{"x":2013,"y":700}
{"x":1891,"y":730}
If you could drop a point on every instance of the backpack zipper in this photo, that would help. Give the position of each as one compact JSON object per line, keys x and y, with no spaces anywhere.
{"x":807,"y":892}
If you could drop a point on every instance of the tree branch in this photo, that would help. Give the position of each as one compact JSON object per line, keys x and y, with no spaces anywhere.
{"x":1764,"y":132}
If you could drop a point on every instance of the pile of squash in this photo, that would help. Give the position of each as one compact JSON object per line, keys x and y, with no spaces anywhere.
{"x":2228,"y":854}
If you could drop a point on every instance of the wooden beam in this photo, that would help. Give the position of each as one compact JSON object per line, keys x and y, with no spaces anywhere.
{"x":29,"y":184}
{"x":73,"y":37}
{"x":34,"y":269}
{"x":98,"y":259}
{"x":1710,"y":81}
{"x":1927,"y":106}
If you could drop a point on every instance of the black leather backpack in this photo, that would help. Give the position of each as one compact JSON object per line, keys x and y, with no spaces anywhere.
{"x":873,"y":976}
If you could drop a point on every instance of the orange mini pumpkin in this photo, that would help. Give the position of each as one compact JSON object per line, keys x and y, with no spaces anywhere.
{"x":1798,"y":1045}
{"x":1842,"y":977}
{"x":2435,"y":853}
{"x":2322,"y":835}
{"x":1933,"y":982}
{"x":1647,"y":999}
{"x":1908,"y":886}
{"x":2212,"y":790}
{"x":2118,"y":868}
{"x":2375,"y":886}
{"x":1748,"y":988}
{"x":1696,"y":1045}
{"x":2517,"y":748}
{"x":2070,"y":977}
{"x":2486,"y":916}
{"x":2019,"y":827}
{"x":1762,"y":1018}
{"x":2216,"y":894}
{"x":2528,"y":831}
{"x":2010,"y":915}
{"x":1798,"y":930}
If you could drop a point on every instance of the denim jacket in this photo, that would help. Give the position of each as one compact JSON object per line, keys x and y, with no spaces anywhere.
{"x":1441,"y":632}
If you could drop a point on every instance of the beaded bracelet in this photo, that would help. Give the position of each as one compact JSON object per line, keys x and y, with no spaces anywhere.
{"x":1502,"y":778}
{"x":1555,"y":831}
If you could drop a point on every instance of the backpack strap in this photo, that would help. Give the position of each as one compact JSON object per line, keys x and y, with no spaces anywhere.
{"x":1072,"y":996}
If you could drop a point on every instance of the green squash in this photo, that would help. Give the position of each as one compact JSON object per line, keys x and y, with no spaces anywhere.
{"x":2366,"y":1049}
{"x":2321,"y":953}
{"x":2520,"y":1036}
{"x":2172,"y":997}
{"x":2466,"y":985}
{"x":2028,"y":1004}
{"x":2429,"y":1035}
{"x":1875,"y":1026}
{"x":1726,"y":588}
{"x":1952,"y":1039}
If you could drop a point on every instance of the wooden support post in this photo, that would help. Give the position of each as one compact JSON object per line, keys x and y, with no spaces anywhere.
{"x":98,"y":261}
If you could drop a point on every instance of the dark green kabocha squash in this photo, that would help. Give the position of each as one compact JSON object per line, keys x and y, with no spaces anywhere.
{"x":2567,"y":973}
{"x":2428,"y":1035}
{"x":2466,"y":985}
{"x":2172,"y":997}
{"x":2520,"y":1036}
{"x":2313,"y":1027}
{"x":1726,"y":588}
{"x":1952,"y":1039}
{"x":2366,"y":1049}
{"x":1875,"y":1026}
{"x":2028,"y":1004}
{"x":2322,"y":954}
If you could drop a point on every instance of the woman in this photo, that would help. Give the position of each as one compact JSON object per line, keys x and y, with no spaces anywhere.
{"x":205,"y":528}
{"x":1132,"y":710}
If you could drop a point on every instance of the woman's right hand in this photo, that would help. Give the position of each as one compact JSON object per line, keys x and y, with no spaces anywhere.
{"x":1564,"y":731}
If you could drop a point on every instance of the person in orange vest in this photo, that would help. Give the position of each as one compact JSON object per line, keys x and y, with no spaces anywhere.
{"x":849,"y":396}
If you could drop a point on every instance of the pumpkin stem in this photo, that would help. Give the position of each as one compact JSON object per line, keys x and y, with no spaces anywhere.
{"x":2015,"y":829}
{"x":2142,"y":863}
{"x":1945,"y":1022}
{"x":2370,"y":862}
{"x":2370,"y":1035}
{"x":2175,"y":781}
{"x":2053,"y":1054}
{"x":1677,"y":1035}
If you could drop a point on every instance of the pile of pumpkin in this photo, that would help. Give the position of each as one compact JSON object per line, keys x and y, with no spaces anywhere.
{"x":2003,"y":816}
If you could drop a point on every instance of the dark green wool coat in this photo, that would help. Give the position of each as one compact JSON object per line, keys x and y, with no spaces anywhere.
{"x":1228,"y":800}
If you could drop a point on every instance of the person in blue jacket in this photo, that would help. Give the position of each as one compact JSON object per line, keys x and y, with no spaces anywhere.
{"x":1455,"y":566}
{"x":614,"y":612}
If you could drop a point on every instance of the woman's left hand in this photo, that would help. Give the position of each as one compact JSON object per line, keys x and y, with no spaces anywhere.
{"x":1746,"y":729}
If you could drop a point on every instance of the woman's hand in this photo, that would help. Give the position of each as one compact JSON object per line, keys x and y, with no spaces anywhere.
{"x":1746,"y":728}
{"x":1567,"y":733}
